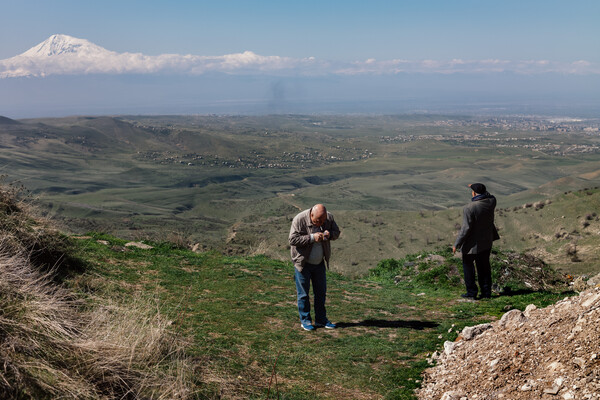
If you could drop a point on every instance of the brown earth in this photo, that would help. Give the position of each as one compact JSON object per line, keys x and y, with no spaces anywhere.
{"x":549,"y":353}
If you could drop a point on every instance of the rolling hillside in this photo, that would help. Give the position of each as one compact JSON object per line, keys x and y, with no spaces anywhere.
{"x":395,"y":183}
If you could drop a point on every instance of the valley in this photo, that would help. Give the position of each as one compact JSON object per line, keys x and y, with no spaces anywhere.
{"x":396,"y":184}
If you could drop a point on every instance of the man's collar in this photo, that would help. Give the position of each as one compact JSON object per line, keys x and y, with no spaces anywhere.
{"x":481,"y":196}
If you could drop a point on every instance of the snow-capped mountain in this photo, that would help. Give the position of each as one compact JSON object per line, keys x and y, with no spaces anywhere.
{"x":65,"y":44}
{"x":66,"y":55}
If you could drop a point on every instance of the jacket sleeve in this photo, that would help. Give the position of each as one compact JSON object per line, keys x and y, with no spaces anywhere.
{"x":299,"y":235}
{"x":334,"y":231}
{"x":465,"y":229}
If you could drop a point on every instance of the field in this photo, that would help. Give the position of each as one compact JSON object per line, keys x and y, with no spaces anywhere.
{"x":394,"y":183}
{"x":230,"y":186}
{"x":245,"y":340}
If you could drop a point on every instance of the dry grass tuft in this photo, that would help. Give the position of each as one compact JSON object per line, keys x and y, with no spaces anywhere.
{"x":49,"y":348}
{"x":54,"y":345}
{"x":26,"y":232}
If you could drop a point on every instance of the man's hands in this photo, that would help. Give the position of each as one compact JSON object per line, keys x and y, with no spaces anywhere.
{"x":321,"y":236}
{"x":454,"y":250}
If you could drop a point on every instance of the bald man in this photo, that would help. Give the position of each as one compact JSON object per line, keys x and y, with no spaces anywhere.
{"x":310,"y":234}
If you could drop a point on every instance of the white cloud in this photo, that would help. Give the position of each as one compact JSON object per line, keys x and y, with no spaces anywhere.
{"x":64,"y":55}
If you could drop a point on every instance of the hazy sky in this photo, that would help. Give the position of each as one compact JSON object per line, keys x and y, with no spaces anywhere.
{"x":303,"y":56}
{"x":347,"y":30}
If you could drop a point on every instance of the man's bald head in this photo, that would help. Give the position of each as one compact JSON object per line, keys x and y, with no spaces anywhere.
{"x":318,"y":214}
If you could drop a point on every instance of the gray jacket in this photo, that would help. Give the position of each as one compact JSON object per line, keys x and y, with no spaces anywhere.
{"x":300,"y":244}
{"x":478,"y":231}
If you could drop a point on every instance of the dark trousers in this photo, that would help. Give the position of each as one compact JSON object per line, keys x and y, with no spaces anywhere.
{"x":484,"y":273}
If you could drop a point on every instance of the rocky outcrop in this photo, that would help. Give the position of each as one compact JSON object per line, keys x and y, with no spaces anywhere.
{"x":549,"y":353}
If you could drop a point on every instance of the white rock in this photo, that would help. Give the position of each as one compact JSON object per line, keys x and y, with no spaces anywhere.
{"x":452,"y":395}
{"x":139,"y":245}
{"x":512,"y":319}
{"x":591,"y":300}
{"x":449,"y":347}
{"x":526,"y":387}
{"x":553,"y":390}
{"x":469,"y":332}
{"x":555,"y":366}
{"x":593,"y":281}
{"x":529,"y":309}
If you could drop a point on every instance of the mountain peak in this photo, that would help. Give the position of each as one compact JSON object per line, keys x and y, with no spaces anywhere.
{"x":63,"y":44}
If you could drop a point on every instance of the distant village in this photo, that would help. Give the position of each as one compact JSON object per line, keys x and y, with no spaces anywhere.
{"x":589,"y":126}
{"x":256,"y":160}
{"x":511,"y":132}
{"x":533,"y":133}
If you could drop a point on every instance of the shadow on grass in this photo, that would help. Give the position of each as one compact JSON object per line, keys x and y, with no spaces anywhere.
{"x":520,"y":292}
{"x":382,"y":323}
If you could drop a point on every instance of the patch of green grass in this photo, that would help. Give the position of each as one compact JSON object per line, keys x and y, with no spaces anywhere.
{"x":241,"y":316}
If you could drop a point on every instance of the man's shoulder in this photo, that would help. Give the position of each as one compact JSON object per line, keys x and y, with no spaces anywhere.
{"x":487,"y":202}
{"x":302,"y":215}
{"x":481,"y":206}
{"x":470,"y":205}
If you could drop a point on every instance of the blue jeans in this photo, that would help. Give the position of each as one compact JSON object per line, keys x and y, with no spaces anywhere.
{"x":316,"y":274}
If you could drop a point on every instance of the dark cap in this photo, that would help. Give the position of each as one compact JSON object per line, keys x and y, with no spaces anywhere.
{"x":478,"y":188}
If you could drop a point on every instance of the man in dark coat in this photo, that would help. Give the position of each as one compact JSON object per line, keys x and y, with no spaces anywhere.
{"x":475,"y":241}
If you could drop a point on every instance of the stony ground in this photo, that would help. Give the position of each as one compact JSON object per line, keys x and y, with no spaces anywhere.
{"x":550,"y":353}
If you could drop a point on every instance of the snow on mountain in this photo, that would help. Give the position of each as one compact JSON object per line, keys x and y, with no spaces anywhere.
{"x":66,"y":55}
{"x":64,"y":44}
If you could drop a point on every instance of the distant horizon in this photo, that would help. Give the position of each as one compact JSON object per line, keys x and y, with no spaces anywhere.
{"x":60,"y":96}
{"x":236,"y":57}
{"x":373,"y":108}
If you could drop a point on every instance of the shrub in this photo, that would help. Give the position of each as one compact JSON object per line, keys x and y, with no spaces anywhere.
{"x":510,"y":270}
{"x":386,"y":268}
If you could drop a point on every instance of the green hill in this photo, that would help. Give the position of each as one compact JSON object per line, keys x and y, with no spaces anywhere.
{"x":111,"y":320}
{"x":396,"y":184}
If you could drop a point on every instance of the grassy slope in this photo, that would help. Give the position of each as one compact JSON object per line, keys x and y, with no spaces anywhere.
{"x":89,"y":174}
{"x":570,"y":219}
{"x":370,"y":236}
{"x":242,"y":318}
